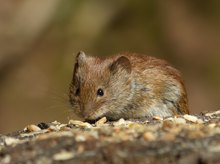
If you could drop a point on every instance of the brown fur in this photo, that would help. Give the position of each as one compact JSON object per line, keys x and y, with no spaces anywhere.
{"x":134,"y":85}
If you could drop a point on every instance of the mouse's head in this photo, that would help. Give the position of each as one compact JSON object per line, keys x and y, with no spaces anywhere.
{"x":99,"y":86}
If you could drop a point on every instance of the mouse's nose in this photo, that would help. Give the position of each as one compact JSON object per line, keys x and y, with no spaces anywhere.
{"x":87,"y":109}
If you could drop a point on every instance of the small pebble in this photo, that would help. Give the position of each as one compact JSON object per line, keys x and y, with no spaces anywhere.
{"x":195,"y":134}
{"x":9,"y":141}
{"x":137,"y":127}
{"x":169,"y":137}
{"x":212,"y":125}
{"x":149,"y":136}
{"x":80,"y":149}
{"x":63,"y":155}
{"x":167,"y":124}
{"x":65,"y":128}
{"x":6,"y":159}
{"x":120,"y":122}
{"x":80,"y":138}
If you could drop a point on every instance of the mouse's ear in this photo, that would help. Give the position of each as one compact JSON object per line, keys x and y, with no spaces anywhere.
{"x":80,"y":57}
{"x":121,"y":64}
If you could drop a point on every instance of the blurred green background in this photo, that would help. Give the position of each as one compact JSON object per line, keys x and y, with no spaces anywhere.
{"x":39,"y":40}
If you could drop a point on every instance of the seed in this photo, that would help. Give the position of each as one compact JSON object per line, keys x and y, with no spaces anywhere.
{"x":80,"y":124}
{"x":190,"y":118}
{"x":33,"y":128}
{"x":43,"y":125}
{"x":101,"y":121}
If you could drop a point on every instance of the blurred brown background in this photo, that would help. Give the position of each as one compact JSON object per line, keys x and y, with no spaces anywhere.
{"x":39,"y":39}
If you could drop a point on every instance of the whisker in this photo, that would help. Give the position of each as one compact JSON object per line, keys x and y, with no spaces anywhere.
{"x":57,"y":106}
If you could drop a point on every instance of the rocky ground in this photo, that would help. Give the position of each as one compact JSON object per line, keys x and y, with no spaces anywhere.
{"x":180,"y":139}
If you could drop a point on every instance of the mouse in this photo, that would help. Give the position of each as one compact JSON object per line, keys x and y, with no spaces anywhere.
{"x":126,"y":85}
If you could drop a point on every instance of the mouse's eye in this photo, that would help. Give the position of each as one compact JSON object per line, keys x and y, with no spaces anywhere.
{"x":100,"y":92}
{"x":77,"y":92}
